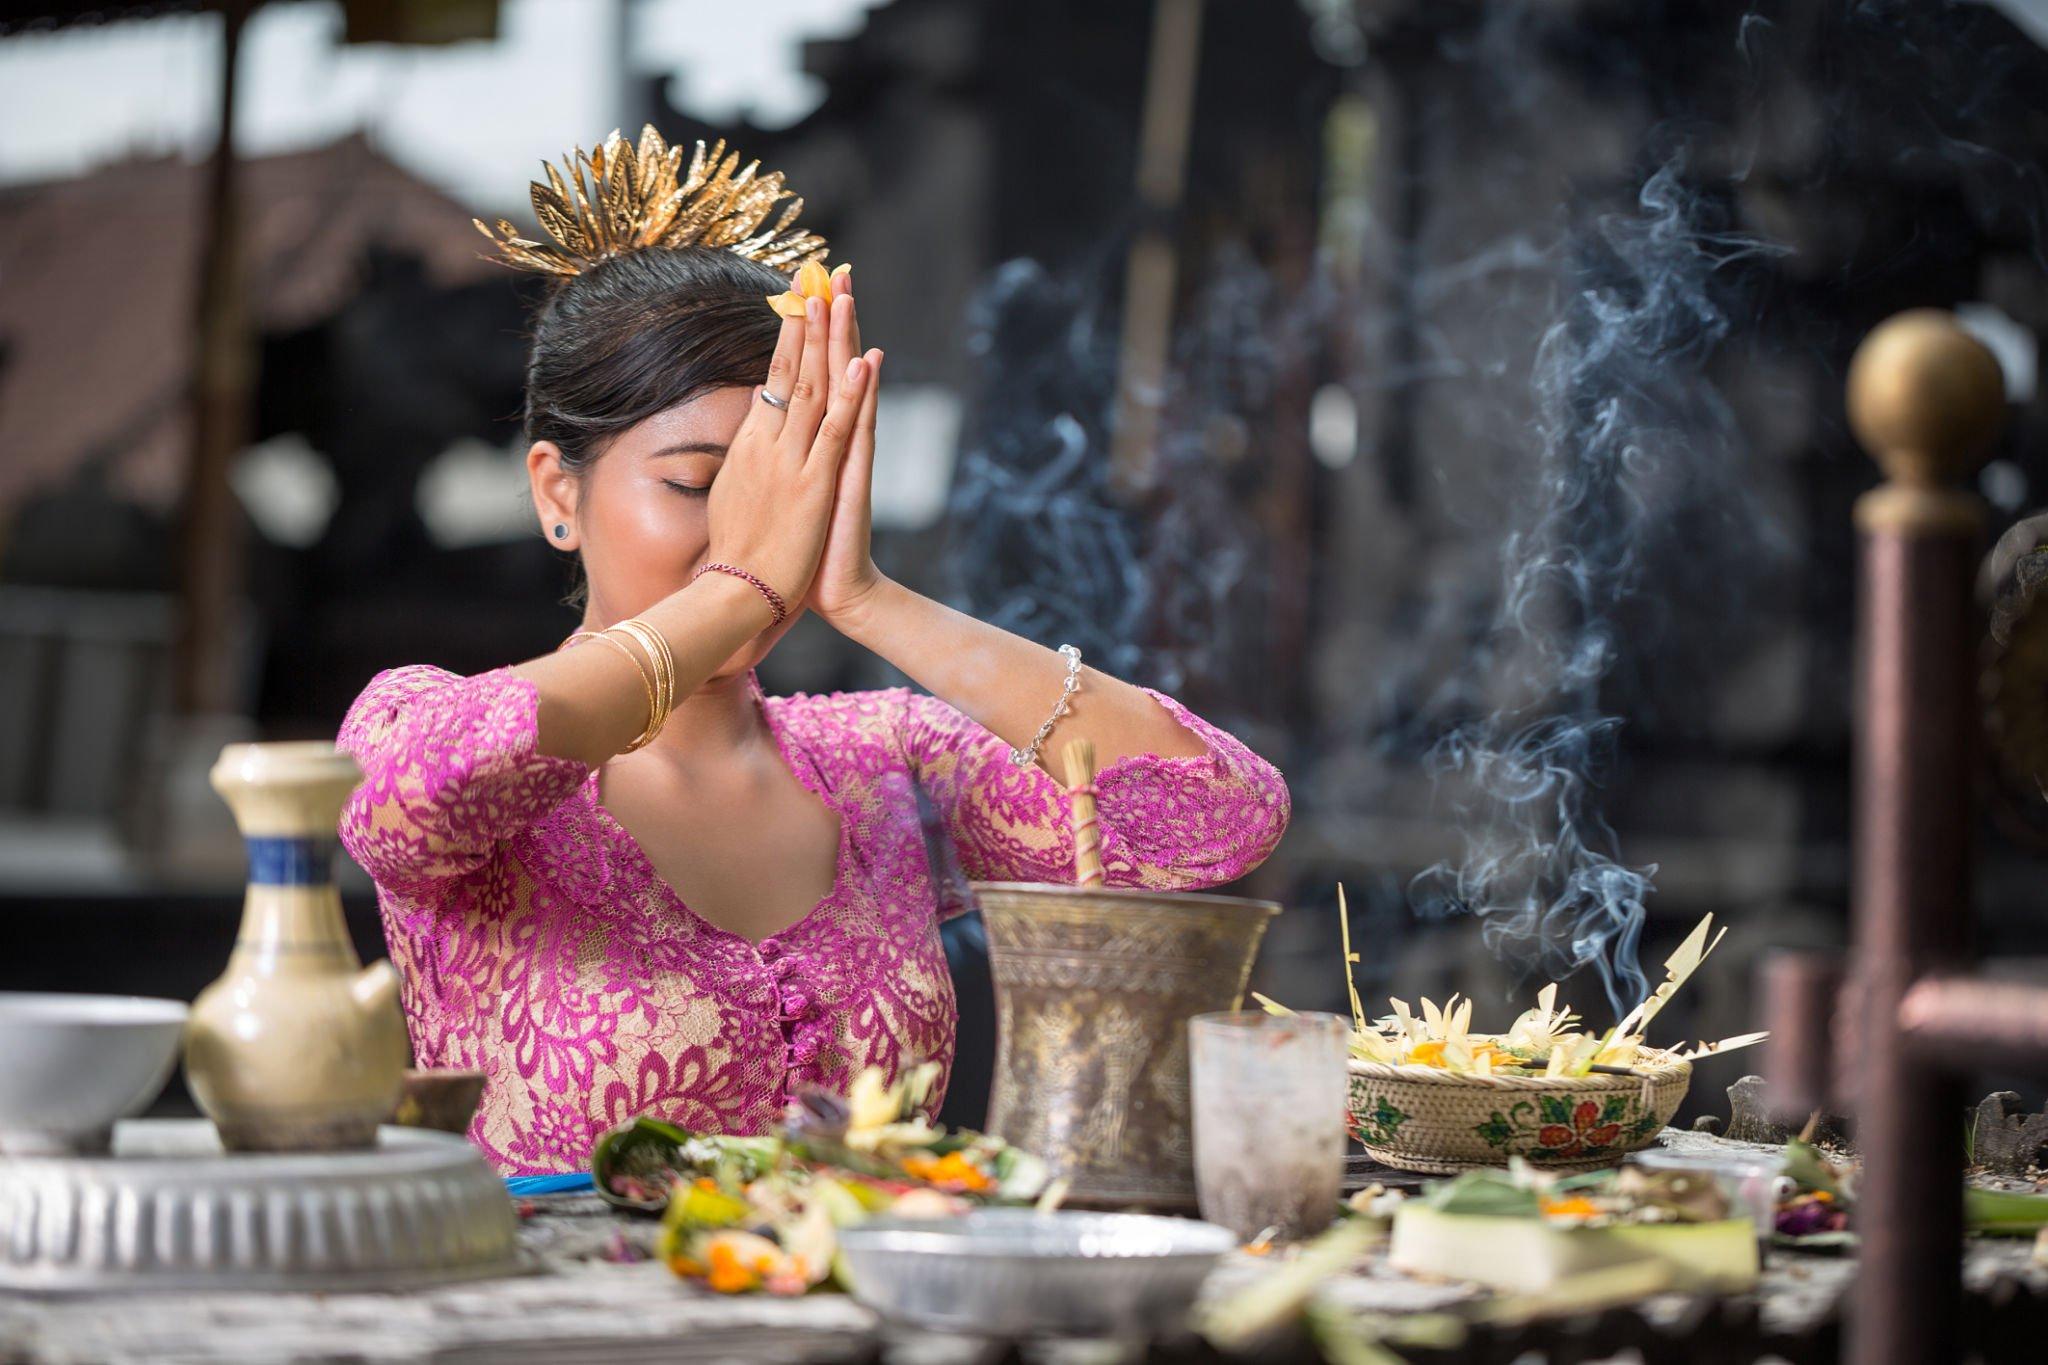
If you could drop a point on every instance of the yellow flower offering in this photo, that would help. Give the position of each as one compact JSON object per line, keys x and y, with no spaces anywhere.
{"x":811,"y":281}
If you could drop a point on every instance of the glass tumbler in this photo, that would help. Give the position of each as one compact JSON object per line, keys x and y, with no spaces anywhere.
{"x":1268,"y":1095}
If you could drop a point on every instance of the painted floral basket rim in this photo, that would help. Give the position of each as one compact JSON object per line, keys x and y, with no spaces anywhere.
{"x":1151,"y":900}
{"x":1659,"y":1072}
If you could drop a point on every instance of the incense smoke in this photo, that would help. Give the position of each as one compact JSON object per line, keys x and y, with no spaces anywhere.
{"x":1563,"y":522}
{"x":1634,"y":449}
{"x":1153,"y":586}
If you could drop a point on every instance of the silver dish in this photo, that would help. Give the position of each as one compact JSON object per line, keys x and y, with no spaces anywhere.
{"x":1017,"y":1273}
{"x":167,"y":1209}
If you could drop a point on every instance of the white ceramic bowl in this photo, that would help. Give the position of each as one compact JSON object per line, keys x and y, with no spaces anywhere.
{"x":72,"y":1064}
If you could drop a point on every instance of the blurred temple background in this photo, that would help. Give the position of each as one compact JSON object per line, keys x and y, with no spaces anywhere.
{"x":1444,"y":397}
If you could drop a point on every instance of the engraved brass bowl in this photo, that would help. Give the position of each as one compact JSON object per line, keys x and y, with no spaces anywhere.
{"x":1094,"y":989}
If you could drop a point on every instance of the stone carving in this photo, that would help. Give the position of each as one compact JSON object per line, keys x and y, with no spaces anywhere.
{"x":2008,"y":1140}
{"x":1749,"y":1116}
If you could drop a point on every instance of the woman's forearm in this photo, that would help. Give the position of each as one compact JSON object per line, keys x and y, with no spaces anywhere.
{"x":593,"y":700}
{"x":1008,"y":684}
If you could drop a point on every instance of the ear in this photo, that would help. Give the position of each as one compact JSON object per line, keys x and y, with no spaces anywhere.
{"x":555,"y":492}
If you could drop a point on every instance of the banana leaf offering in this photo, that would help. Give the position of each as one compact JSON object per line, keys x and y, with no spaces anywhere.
{"x":748,"y":1214}
{"x":1817,"y":1210}
{"x":1521,"y":1231}
{"x":634,"y":1165}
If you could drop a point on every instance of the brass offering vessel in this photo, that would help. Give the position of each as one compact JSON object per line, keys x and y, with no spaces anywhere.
{"x":1094,"y":988}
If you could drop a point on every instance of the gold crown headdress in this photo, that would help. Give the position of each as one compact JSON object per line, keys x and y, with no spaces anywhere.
{"x":638,"y":197}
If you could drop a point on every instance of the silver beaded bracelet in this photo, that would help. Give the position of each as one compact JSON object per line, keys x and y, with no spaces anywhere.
{"x":1028,"y":755}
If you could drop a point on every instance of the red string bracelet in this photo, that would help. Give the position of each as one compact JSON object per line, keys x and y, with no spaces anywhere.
{"x":775,"y":602}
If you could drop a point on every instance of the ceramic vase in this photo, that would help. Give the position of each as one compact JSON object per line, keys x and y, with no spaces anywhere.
{"x":296,"y":1047}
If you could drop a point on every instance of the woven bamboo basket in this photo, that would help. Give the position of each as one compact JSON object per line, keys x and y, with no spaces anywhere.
{"x":1423,"y":1118}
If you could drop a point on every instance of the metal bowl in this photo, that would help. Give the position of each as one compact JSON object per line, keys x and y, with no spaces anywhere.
{"x":1017,"y":1273}
{"x":72,"y":1064}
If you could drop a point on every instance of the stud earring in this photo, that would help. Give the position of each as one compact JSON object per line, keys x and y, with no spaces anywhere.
{"x":561,"y":530}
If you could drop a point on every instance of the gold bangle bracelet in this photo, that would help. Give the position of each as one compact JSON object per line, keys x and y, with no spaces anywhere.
{"x":663,"y":661}
{"x":655,"y":711}
{"x":657,"y":651}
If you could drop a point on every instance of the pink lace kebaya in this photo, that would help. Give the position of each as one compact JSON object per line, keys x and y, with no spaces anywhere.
{"x":538,"y":945}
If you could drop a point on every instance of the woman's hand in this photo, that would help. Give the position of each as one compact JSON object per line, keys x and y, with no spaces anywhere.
{"x":847,"y":572}
{"x":771,"y":504}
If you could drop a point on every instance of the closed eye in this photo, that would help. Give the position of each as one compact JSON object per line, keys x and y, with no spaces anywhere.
{"x":689,"y":490}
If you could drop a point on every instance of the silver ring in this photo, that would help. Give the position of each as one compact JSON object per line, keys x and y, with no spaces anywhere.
{"x":779,"y":404}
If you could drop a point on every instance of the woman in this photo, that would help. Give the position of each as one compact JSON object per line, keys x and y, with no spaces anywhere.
{"x":619,"y":880}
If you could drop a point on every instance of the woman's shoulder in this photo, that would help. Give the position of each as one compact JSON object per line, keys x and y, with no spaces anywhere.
{"x":500,"y":693}
{"x":391,"y":688}
{"x":407,"y":680}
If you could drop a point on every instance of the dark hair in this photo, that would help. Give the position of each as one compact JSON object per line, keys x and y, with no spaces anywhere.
{"x":640,"y":333}
{"x":637,"y":335}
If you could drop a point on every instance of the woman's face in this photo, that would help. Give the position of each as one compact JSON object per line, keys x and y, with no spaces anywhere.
{"x":637,"y":513}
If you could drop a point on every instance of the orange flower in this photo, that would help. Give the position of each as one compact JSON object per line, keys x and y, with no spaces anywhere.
{"x":1430,"y":1053}
{"x":728,"y":1274}
{"x":811,"y":281}
{"x":1577,"y":1206}
{"x":952,"y":1171}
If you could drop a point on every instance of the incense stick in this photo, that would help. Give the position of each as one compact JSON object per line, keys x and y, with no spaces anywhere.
{"x":1080,"y":763}
{"x":1599,"y":1068}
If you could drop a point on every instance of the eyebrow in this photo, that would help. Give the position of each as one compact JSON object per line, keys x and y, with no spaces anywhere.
{"x":690,"y":448}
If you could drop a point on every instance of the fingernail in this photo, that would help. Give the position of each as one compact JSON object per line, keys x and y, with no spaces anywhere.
{"x":853,"y":369}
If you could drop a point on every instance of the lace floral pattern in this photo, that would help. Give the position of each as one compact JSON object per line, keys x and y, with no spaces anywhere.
{"x":537,"y":944}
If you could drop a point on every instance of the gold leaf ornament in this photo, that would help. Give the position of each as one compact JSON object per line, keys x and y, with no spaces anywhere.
{"x":622,"y":198}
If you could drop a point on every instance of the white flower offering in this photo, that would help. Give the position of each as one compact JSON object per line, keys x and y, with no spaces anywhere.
{"x":1545,"y":1040}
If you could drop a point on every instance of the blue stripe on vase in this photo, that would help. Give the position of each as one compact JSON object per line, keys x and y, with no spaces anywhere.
{"x":277,"y":861}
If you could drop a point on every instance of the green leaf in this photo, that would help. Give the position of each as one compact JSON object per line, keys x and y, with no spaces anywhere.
{"x":1805,"y":1164}
{"x":1269,"y":1302}
{"x":1387,"y":1118}
{"x":1614,"y":1110}
{"x":655,"y":1153}
{"x":1486,"y":1193}
{"x":1020,"y":1176}
{"x":2004,"y":1213}
{"x":1553,"y":1109}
